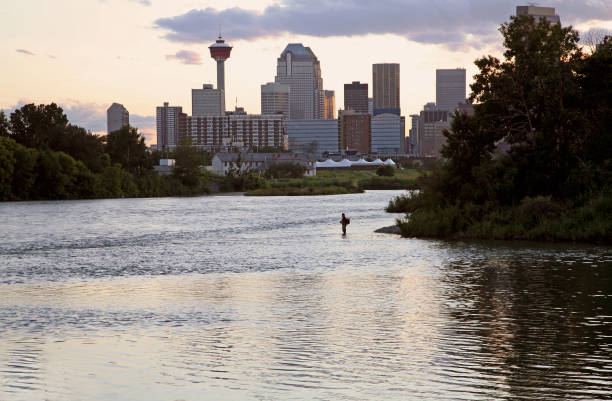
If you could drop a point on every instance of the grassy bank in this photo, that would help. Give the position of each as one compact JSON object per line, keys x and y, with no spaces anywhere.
{"x":539,"y":219}
{"x":337,"y":182}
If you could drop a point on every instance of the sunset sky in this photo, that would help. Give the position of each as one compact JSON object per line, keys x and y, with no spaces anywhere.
{"x":86,"y":54}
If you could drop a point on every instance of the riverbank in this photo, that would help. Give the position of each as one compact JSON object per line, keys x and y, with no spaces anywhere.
{"x":337,"y":183}
{"x":533,"y":219}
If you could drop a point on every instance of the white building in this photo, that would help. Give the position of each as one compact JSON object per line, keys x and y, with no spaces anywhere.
{"x":539,"y":13}
{"x":299,"y":67}
{"x":312,"y":136}
{"x":275,"y":98}
{"x":387,"y":135}
{"x":223,"y":162}
{"x":239,"y":131}
{"x":170,"y":126}
{"x":207,"y":101}
{"x":117,"y":117}
{"x":450,"y":88}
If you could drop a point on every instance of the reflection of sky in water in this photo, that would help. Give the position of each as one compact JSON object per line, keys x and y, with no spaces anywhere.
{"x":262,"y":298}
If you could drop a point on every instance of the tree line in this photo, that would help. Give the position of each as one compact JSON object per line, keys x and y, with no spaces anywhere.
{"x":43,"y":156}
{"x":535,"y":159}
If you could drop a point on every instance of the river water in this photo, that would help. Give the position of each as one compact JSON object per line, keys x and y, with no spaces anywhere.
{"x":240,"y":298}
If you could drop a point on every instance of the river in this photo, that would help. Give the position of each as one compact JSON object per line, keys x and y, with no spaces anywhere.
{"x":244,"y":298}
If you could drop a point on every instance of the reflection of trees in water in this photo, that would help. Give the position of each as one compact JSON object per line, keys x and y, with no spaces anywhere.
{"x":543,"y":325}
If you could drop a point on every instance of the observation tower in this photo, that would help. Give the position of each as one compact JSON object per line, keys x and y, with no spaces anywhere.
{"x":220,"y":51}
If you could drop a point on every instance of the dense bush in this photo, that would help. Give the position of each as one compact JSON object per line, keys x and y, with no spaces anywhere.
{"x":385,"y":171}
{"x":285,"y":170}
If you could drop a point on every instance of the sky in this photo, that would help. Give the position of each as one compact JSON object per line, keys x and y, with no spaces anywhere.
{"x":87,"y":54}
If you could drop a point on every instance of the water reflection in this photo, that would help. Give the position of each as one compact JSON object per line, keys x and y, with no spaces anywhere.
{"x":193,"y":306}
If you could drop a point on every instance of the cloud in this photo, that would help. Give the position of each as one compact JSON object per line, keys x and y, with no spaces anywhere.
{"x":143,"y":2}
{"x":447,"y":22}
{"x":24,"y":51}
{"x":186,"y":57}
{"x":92,"y":117}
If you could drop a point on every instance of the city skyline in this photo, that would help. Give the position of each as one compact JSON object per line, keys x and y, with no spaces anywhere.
{"x":87,"y":66}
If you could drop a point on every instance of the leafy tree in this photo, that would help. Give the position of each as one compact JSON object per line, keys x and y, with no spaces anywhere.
{"x":39,"y":127}
{"x":385,"y":171}
{"x":7,"y":166}
{"x":127,"y":147}
{"x":285,"y":170}
{"x":188,"y":162}
{"x":4,"y":125}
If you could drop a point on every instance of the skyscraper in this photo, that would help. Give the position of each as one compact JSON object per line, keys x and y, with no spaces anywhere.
{"x":171,"y":126}
{"x":386,"y":88}
{"x":299,"y":67}
{"x":275,"y":98}
{"x":207,"y":101}
{"x":117,"y":117}
{"x":329,"y":105}
{"x":356,"y":97}
{"x":539,"y":12}
{"x":354,"y":131}
{"x":450,"y":88}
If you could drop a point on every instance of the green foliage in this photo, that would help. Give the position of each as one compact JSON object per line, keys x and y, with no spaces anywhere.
{"x":188,"y":169}
{"x":385,"y":171}
{"x":127,"y":147}
{"x":4,"y":125}
{"x":39,"y":127}
{"x":285,"y":170}
{"x":552,"y":106}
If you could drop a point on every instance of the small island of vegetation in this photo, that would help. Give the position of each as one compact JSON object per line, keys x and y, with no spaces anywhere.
{"x":535,"y":160}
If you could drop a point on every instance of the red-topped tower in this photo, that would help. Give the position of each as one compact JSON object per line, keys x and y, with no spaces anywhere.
{"x":220,"y":51}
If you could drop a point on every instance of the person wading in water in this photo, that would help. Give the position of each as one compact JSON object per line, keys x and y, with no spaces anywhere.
{"x":344,"y":222}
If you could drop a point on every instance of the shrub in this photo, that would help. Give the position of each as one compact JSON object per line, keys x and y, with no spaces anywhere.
{"x":385,"y":171}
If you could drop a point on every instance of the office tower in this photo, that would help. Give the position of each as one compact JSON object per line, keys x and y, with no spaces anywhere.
{"x":117,"y":117}
{"x":275,"y":98}
{"x":432,"y":122}
{"x":371,"y":105}
{"x":329,"y":105}
{"x":354,"y":131}
{"x":312,"y":136}
{"x":539,"y":13}
{"x":386,"y":88}
{"x":207,"y":101}
{"x":450,"y":88}
{"x":298,"y":67}
{"x":171,"y":126}
{"x":413,"y":133}
{"x":387,"y":136}
{"x":220,"y":51}
{"x":356,"y":97}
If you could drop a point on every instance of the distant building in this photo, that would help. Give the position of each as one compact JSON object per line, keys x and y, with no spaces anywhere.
{"x":298,"y":67}
{"x":539,"y":13}
{"x":220,"y":51}
{"x":450,"y":88}
{"x":258,"y":162}
{"x":386,"y":88}
{"x":117,"y":117}
{"x":207,"y":101}
{"x":236,"y":131}
{"x":371,"y":105}
{"x":465,"y":108}
{"x":330,"y":105}
{"x":386,"y":136}
{"x":171,"y":126}
{"x":312,"y":136}
{"x":275,"y":98}
{"x":354,"y":131}
{"x":413,"y":134}
{"x":432,"y":123}
{"x":356,"y":97}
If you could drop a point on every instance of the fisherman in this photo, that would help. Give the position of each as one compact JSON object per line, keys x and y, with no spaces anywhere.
{"x":344,"y":222}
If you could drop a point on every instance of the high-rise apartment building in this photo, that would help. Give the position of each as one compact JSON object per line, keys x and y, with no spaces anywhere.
{"x":450,"y":88}
{"x":329,"y":105}
{"x":386,"y":88}
{"x":432,"y":122}
{"x":354,"y":131}
{"x":356,"y":97}
{"x":207,"y":101}
{"x":298,"y":67}
{"x":387,"y":136}
{"x":275,"y":98}
{"x":117,"y":117}
{"x":171,"y":126}
{"x":539,"y":13}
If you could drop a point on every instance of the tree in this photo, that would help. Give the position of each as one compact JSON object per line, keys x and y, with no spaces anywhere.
{"x":285,"y":170}
{"x":127,"y":147}
{"x":39,"y":127}
{"x":385,"y":171}
{"x":188,"y":162}
{"x":4,"y":125}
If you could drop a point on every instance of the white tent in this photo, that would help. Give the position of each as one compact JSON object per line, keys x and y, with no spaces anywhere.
{"x":327,"y":163}
{"x":344,"y":163}
{"x":378,"y":162}
{"x":361,"y":162}
{"x":389,"y":162}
